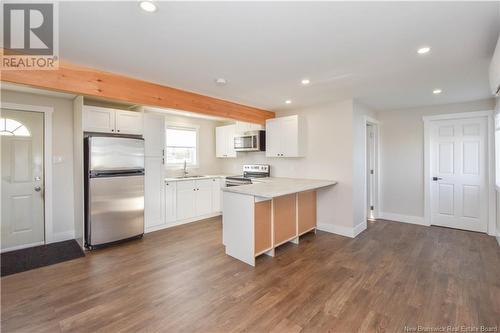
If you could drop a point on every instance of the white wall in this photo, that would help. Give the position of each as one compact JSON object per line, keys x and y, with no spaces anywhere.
{"x":208,"y":163}
{"x":62,"y":145}
{"x":330,"y":145}
{"x":402,"y":155}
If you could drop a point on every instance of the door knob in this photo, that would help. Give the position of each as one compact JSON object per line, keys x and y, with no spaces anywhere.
{"x":436,"y":178}
{"x":38,"y":189}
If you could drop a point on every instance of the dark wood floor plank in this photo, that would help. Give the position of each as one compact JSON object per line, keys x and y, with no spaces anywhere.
{"x":180,"y":280}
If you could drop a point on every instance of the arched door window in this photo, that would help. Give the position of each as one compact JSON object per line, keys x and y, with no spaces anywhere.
{"x":11,"y":127}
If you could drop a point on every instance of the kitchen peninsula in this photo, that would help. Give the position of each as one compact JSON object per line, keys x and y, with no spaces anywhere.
{"x":261,"y":216}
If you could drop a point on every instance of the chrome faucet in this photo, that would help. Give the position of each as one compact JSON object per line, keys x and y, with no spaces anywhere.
{"x":185,"y":169}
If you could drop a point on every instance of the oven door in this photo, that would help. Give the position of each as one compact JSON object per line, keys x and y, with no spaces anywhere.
{"x":246,"y":143}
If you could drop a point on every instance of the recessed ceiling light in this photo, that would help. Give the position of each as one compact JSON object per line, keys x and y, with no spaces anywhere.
{"x":423,"y":50}
{"x":437,"y":91}
{"x":220,"y":81}
{"x":288,"y":101}
{"x":305,"y":82}
{"x":148,"y":6}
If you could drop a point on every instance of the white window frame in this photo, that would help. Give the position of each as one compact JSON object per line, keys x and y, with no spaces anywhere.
{"x":170,"y":125}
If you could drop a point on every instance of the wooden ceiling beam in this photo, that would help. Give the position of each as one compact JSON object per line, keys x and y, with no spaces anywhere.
{"x":86,"y":81}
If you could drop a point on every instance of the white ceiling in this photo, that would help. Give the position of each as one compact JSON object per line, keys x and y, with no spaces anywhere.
{"x":348,"y":49}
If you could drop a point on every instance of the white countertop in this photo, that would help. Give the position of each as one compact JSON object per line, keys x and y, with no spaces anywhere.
{"x":275,"y":187}
{"x":176,"y":179}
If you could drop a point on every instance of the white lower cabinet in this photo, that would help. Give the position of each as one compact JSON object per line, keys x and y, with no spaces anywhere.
{"x":186,"y":199}
{"x":170,"y":202}
{"x":203,"y":200}
{"x":216,"y":195}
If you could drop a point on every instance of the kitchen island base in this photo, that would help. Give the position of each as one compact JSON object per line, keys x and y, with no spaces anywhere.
{"x":254,"y":225}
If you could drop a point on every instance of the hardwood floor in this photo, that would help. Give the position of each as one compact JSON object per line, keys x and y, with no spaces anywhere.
{"x":179,"y":280}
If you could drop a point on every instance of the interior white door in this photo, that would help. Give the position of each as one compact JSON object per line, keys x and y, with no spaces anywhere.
{"x":459,"y":197}
{"x":22,"y":223}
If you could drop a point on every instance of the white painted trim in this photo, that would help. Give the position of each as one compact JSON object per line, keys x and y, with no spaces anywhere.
{"x":462,"y":115}
{"x":376,"y":200}
{"x":20,"y":247}
{"x":403,"y":218}
{"x":63,"y":236}
{"x":491,"y":223}
{"x":360,"y":228}
{"x":492,"y":203}
{"x":48,"y":195}
{"x":181,"y":222}
{"x":498,"y":239}
{"x":342,"y":231}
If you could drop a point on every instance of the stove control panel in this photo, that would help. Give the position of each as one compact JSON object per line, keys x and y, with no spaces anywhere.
{"x":256,"y":168}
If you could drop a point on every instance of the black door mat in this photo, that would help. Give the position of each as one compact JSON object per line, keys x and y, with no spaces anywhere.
{"x":39,"y":256}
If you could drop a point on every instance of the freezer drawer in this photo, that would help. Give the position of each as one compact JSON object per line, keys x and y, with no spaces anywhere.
{"x":116,"y":208}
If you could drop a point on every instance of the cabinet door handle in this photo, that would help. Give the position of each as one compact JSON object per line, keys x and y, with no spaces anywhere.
{"x":118,"y":130}
{"x":112,"y":130}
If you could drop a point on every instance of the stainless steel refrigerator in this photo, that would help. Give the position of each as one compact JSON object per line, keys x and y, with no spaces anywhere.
{"x":114,"y":189}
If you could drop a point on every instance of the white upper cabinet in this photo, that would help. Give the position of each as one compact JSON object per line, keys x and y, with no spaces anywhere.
{"x":224,"y":141}
{"x":242,"y":127}
{"x":128,"y":122}
{"x":96,"y":119}
{"x":154,"y":135}
{"x":284,"y":137}
{"x":106,"y":120}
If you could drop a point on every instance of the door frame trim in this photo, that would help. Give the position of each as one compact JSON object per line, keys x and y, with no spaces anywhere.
{"x":490,"y":183}
{"x":47,"y":151}
{"x":376,"y":199}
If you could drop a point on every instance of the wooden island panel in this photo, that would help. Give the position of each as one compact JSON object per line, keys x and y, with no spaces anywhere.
{"x":285,"y":222}
{"x":262,"y":227}
{"x":306,"y":211}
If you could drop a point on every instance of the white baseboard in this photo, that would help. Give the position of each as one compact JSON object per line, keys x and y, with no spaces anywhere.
{"x":359,"y":228}
{"x":62,"y":236}
{"x":20,"y":247}
{"x":342,"y":231}
{"x":403,"y":218}
{"x":180,"y":222}
{"x":498,"y":239}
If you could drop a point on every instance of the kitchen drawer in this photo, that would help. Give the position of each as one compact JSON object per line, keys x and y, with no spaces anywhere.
{"x":186,"y":184}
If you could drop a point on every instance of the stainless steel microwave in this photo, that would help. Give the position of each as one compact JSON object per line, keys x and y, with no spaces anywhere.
{"x":250,"y":141}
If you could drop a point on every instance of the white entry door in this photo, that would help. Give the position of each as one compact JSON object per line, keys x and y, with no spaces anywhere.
{"x":22,"y":223}
{"x":459,"y":197}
